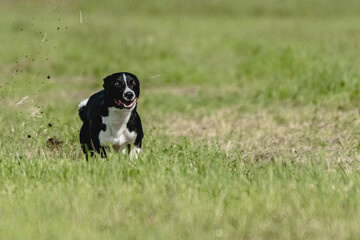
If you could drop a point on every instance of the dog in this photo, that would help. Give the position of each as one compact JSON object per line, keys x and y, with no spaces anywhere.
{"x":110,"y":118}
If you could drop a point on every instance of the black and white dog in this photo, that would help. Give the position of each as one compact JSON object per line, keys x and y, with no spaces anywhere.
{"x":110,"y":117}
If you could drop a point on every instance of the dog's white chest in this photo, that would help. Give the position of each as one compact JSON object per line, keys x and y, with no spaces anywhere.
{"x":116,"y":133}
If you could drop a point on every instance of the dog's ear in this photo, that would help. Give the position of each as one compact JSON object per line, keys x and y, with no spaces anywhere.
{"x":107,"y":81}
{"x":136,"y":86}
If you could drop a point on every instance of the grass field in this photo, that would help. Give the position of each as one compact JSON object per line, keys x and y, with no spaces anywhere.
{"x":250,"y":111}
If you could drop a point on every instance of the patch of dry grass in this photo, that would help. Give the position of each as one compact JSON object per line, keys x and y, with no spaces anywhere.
{"x":280,"y":132}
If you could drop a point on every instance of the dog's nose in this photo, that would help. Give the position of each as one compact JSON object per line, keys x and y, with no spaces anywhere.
{"x":129,"y":96}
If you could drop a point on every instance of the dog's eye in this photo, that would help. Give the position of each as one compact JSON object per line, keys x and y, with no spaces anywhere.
{"x":116,"y":84}
{"x":133,"y":82}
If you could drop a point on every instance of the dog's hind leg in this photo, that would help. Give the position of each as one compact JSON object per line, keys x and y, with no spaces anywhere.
{"x":103,"y":152}
{"x":84,"y":139}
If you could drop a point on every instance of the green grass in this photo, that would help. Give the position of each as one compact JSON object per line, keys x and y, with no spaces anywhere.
{"x":250,"y":111}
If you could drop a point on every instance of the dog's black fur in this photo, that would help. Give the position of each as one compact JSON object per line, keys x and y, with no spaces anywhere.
{"x":110,"y":117}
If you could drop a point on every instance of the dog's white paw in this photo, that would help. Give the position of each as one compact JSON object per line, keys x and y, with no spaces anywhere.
{"x":134,"y":153}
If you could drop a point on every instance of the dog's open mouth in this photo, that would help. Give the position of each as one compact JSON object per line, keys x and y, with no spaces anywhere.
{"x":124,"y":104}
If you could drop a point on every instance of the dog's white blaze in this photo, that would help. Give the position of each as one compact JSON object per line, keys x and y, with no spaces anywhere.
{"x":83,"y":103}
{"x":116,"y":133}
{"x":127,"y":89}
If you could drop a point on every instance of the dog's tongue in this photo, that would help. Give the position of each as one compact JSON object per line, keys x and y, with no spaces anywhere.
{"x":117,"y":102}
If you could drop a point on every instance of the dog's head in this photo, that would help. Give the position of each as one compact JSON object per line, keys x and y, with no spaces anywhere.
{"x":122,"y":89}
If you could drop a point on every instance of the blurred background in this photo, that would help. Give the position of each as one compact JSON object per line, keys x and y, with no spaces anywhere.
{"x":202,"y":59}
